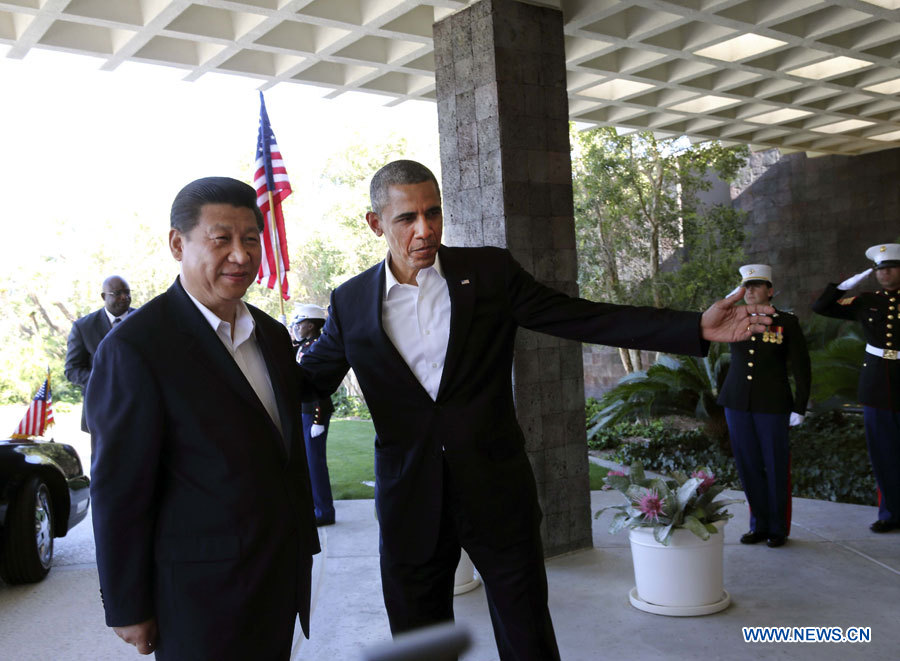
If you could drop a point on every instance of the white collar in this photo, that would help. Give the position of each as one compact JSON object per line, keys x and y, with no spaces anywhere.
{"x":243,"y":320}
{"x":112,"y":318}
{"x":390,"y":280}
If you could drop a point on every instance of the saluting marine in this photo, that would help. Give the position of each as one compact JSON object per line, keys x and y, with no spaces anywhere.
{"x":760,"y":408}
{"x":879,"y":379}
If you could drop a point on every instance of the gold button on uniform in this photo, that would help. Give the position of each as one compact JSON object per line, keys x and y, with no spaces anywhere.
{"x":749,"y":364}
{"x":752,"y":351}
{"x":753,"y":338}
{"x":749,"y":377}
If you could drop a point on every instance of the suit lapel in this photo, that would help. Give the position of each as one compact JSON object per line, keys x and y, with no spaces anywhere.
{"x":279,"y":380}
{"x":461,"y":285}
{"x":101,"y":324}
{"x":205,"y":347}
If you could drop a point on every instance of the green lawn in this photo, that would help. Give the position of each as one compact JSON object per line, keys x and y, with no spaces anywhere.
{"x":351,"y":458}
{"x":597,"y":475}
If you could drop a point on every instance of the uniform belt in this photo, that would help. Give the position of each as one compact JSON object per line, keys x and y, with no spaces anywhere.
{"x":887,"y":354}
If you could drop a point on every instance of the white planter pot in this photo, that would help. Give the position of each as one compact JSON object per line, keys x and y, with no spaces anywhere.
{"x":683,"y":578}
{"x":466,"y":579}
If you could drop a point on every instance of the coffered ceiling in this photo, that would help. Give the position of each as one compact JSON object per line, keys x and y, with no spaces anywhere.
{"x":820,"y":76}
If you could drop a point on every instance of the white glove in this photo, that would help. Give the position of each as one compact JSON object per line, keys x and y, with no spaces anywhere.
{"x":734,"y":291}
{"x":796,"y":419}
{"x":850,"y":283}
{"x":316,"y":430}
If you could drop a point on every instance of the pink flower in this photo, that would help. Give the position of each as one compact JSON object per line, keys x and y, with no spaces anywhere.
{"x":708,"y":480}
{"x":612,"y":473}
{"x":616,"y":473}
{"x":650,"y":505}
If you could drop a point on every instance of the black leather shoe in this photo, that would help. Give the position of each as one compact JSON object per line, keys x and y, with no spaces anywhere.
{"x":321,"y":521}
{"x":884,"y":526}
{"x":775,"y":541}
{"x":753,"y":537}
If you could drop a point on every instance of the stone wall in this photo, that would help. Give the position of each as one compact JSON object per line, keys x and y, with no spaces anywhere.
{"x":812,"y":219}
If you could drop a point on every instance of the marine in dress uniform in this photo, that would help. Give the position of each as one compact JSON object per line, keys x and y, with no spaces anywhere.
{"x":879,"y":380}
{"x":760,"y":408}
{"x":307,"y":324}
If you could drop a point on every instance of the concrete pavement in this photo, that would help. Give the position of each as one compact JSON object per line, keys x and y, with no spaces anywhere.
{"x":833,"y":572}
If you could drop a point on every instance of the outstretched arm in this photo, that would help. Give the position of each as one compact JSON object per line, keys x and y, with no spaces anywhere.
{"x":725,"y":321}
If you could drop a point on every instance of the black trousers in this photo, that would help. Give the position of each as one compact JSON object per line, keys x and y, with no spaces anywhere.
{"x":515,"y":582}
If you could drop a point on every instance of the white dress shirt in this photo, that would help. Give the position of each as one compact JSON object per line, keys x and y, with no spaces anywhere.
{"x":246,"y":353}
{"x":417,"y":321}
{"x":113,"y":318}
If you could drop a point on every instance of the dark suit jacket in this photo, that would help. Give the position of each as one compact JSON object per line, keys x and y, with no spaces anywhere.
{"x":472,"y":423}
{"x":757,"y":378}
{"x":203,"y":513}
{"x":84,"y":338}
{"x":877,"y":312}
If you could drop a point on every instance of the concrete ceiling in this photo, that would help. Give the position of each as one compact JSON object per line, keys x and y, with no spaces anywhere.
{"x":820,"y":76}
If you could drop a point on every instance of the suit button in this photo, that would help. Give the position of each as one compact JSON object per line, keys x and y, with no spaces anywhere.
{"x":749,"y":377}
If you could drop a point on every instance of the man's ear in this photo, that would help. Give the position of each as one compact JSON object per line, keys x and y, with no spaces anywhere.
{"x":176,"y":244}
{"x":374,"y":222}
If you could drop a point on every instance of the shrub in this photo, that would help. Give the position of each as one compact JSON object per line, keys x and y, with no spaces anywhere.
{"x":828,"y":456}
{"x":349,"y":406}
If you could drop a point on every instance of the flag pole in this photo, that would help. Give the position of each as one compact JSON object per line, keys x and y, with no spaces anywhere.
{"x":275,"y":238}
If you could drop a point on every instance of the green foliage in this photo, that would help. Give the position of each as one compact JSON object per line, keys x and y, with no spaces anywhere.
{"x":609,"y":437}
{"x":665,"y":504}
{"x":349,"y":406}
{"x":679,"y":451}
{"x":597,"y":476}
{"x":637,"y":204}
{"x":829,"y":460}
{"x":836,"y":362}
{"x":685,"y":385}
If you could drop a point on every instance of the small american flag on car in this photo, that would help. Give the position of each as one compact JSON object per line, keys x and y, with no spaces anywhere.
{"x":39,"y":415}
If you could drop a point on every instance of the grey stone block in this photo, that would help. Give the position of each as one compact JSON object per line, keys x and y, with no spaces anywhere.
{"x":486,"y":101}
{"x":469,"y":173}
{"x":491,"y":164}
{"x":488,"y":135}
{"x":467,"y":141}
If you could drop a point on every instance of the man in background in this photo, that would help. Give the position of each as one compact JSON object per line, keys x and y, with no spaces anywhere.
{"x":88,"y":331}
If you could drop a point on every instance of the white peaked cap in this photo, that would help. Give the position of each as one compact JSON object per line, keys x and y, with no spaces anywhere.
{"x":756,"y":272}
{"x":885,"y":252}
{"x":308,"y":311}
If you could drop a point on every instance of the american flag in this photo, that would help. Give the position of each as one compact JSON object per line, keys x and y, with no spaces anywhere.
{"x":39,"y":415}
{"x":271,"y":175}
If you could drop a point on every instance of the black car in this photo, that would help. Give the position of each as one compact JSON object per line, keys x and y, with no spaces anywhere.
{"x":44,"y":493}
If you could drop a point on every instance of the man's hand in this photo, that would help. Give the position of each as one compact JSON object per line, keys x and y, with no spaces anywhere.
{"x":316,"y":430}
{"x":142,"y":636}
{"x":850,"y":283}
{"x":726,"y":322}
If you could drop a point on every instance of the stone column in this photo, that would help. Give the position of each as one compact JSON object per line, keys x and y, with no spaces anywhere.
{"x":507,"y":181}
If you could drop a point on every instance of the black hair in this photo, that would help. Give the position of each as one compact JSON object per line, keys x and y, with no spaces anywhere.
{"x":211,"y":190}
{"x":398,"y":173}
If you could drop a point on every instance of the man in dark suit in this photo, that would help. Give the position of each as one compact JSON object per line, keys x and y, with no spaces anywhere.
{"x":760,"y":410}
{"x":879,"y":379}
{"x":87,"y":332}
{"x":201,"y":500}
{"x":429,"y":333}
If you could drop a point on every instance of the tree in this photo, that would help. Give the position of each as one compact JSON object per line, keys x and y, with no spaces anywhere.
{"x":637,"y":205}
